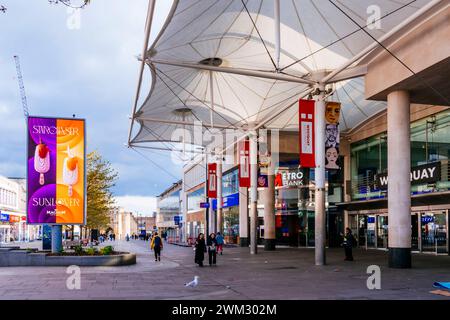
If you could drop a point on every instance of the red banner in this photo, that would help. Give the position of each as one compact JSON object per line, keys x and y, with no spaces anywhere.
{"x":212,"y":180}
{"x":306,"y":131}
{"x":244,"y":163}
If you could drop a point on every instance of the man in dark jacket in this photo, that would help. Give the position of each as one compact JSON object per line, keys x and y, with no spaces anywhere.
{"x":349,"y":242}
{"x":212,"y":249}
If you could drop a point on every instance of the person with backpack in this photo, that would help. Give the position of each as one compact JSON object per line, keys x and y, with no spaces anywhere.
{"x":220,"y":242}
{"x":156,"y":246}
{"x":349,"y":242}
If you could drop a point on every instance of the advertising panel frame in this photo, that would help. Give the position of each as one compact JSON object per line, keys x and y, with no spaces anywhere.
{"x":83,"y":223}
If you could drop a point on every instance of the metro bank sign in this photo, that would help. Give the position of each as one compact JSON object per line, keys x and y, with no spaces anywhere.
{"x":289,"y":178}
{"x":427,"y":173}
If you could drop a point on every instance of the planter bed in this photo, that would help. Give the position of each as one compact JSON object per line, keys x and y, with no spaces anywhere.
{"x":11,"y":257}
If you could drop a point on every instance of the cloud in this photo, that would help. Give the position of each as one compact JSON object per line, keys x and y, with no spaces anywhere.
{"x":91,"y":72}
{"x":144,"y":205}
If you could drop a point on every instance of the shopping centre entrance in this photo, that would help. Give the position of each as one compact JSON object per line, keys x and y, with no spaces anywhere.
{"x":429,"y":231}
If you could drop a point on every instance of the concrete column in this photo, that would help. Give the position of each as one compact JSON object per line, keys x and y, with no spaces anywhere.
{"x":184,"y":230}
{"x":253,"y":191}
{"x":56,"y":238}
{"x":320,"y":234}
{"x":344,"y":150}
{"x":243,"y":217}
{"x":269,"y":210}
{"x":399,"y":184}
{"x":219,"y":217}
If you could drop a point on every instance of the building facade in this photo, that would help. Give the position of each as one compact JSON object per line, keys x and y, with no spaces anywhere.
{"x":366,"y":206}
{"x":13,"y":226}
{"x":169,"y":212}
{"x":123,"y":223}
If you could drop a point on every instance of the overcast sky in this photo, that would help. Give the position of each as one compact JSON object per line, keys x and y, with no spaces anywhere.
{"x":90,"y":72}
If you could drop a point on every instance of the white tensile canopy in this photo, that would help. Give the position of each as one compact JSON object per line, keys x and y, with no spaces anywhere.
{"x":240,"y":63}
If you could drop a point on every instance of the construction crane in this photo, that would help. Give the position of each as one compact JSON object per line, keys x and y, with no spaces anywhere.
{"x":21,"y":87}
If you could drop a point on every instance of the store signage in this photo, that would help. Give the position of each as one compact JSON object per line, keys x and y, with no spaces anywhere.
{"x":244,"y":164}
{"x":370,"y":219}
{"x":4,"y":217}
{"x":289,"y":178}
{"x":427,"y":219}
{"x":14,"y":219}
{"x":56,"y":171}
{"x":427,"y":173}
{"x":212,"y":180}
{"x":231,"y":200}
{"x":306,"y":132}
{"x":204,"y":204}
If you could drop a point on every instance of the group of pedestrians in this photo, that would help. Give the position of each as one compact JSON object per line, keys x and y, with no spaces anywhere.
{"x":213,"y":245}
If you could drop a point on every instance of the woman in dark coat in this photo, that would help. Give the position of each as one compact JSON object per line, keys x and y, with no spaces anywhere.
{"x":200,"y":249}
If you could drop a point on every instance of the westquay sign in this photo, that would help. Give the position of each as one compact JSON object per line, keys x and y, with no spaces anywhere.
{"x":427,"y":173}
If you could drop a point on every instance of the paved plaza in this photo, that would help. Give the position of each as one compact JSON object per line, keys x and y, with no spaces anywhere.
{"x":282,"y":274}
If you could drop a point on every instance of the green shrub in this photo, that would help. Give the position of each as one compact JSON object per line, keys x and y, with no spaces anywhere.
{"x":91,"y":251}
{"x":78,"y":249}
{"x":107,"y":250}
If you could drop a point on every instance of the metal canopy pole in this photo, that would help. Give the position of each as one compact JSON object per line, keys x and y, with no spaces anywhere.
{"x":243,"y":72}
{"x":150,"y":11}
{"x":276,"y":5}
{"x":253,"y":191}
{"x":219,"y":214}
{"x":211,"y":92}
{"x":319,"y":225}
{"x":184,"y":123}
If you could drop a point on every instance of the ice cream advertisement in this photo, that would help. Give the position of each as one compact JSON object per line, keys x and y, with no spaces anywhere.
{"x":56,"y":171}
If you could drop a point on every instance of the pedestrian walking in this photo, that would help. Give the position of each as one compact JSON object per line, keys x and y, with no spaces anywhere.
{"x":349,"y":242}
{"x":157,"y":245}
{"x":127,"y":237}
{"x":212,"y":249}
{"x":220,"y":242}
{"x":200,"y":249}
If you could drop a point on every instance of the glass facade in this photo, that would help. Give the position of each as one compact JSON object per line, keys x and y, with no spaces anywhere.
{"x":294,"y":206}
{"x":194,"y":198}
{"x":230,"y":183}
{"x":430,"y":147}
{"x":170,"y":204}
{"x":430,"y":142}
{"x":230,"y":186}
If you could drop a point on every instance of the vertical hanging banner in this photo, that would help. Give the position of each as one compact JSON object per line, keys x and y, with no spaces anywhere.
{"x":244,"y":163}
{"x":56,"y":192}
{"x":332,"y":113}
{"x":212,"y":180}
{"x":306,"y":131}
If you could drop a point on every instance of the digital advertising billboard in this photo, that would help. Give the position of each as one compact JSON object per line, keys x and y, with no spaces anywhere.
{"x":56,"y":167}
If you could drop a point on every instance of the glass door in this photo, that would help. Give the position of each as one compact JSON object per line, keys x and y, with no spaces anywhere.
{"x":382,"y":231}
{"x":434,"y":232}
{"x":371,"y":232}
{"x":362,"y":230}
{"x":414,"y":232}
